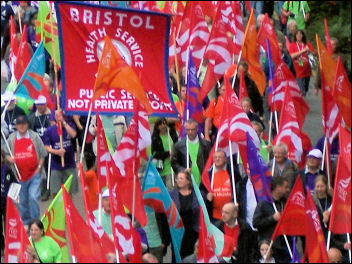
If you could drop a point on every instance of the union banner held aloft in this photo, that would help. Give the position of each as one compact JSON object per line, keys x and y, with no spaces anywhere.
{"x":140,"y":37}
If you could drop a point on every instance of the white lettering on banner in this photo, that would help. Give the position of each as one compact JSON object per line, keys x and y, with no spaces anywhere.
{"x":298,"y":199}
{"x":97,"y":17}
{"x":315,"y":218}
{"x":342,"y":188}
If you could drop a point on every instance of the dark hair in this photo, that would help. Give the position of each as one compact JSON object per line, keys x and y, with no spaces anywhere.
{"x":38,"y":223}
{"x":157,"y":123}
{"x":90,"y":160}
{"x":304,"y":37}
{"x":277,"y":181}
{"x":264,"y":241}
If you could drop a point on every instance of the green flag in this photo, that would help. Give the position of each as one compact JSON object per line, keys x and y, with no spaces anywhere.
{"x":54,"y":221}
{"x":46,"y":29}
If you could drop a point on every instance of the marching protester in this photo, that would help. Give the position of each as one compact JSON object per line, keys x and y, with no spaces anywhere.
{"x":13,"y":110}
{"x":28,"y":156}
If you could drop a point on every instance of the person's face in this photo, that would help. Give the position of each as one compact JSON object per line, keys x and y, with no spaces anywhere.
{"x":221,"y":90}
{"x":182,"y":181}
{"x":280,"y":46}
{"x":219,"y":159}
{"x":191,"y":130}
{"x":41,"y":108}
{"x":184,"y":72}
{"x":313,"y":163}
{"x":279,"y":155}
{"x":257,"y":130}
{"x":299,"y":36}
{"x":320,"y":189}
{"x":106,"y":204}
{"x":183,"y":92}
{"x":246,"y":106}
{"x":292,"y":28}
{"x":162,"y":127}
{"x":22,"y":128}
{"x":333,"y":44}
{"x":240,"y":70}
{"x":263,"y":249}
{"x":35,"y":232}
{"x":228,"y":213}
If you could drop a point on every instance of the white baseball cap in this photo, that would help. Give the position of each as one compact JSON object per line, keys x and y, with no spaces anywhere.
{"x":7,"y":96}
{"x":316,"y":153}
{"x":105,"y":193}
{"x":41,"y":100}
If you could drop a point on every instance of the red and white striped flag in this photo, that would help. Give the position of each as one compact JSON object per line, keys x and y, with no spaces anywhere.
{"x":194,"y":33}
{"x":239,"y":29}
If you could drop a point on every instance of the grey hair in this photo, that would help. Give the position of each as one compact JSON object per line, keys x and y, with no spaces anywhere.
{"x":282,"y":145}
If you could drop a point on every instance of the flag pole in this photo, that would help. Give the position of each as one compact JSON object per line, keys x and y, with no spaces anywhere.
{"x":232,"y":175}
{"x":349,"y":241}
{"x":285,"y":237}
{"x":11,"y":155}
{"x":268,"y":251}
{"x":172,"y":171}
{"x":85,"y":132}
{"x":56,"y":81}
{"x":176,"y":66}
{"x":235,"y":75}
{"x":213,"y":171}
{"x":328,"y":241}
{"x":49,"y":169}
{"x":270,"y":132}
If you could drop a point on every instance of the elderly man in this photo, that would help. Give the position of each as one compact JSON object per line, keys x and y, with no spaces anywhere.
{"x":283,"y":166}
{"x":12,"y":111}
{"x":29,"y":154}
{"x":197,"y":149}
{"x":312,"y":170}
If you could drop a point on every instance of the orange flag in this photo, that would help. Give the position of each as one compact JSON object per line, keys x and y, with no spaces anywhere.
{"x":327,"y":63}
{"x":250,"y":52}
{"x":342,"y":93}
{"x":115,"y":73}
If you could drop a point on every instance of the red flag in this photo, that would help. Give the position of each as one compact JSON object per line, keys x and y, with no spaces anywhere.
{"x":23,"y":55}
{"x":341,"y":93}
{"x":126,"y":239}
{"x":194,"y":33}
{"x":327,"y":37}
{"x":85,"y":245}
{"x":103,"y":154}
{"x":267,"y":31}
{"x":126,"y":158}
{"x":293,"y":219}
{"x":16,"y":239}
{"x":340,"y":217}
{"x":13,"y":44}
{"x":242,"y":89}
{"x":90,"y":203}
{"x":250,"y":52}
{"x":315,"y":241}
{"x":239,"y":30}
{"x":206,"y":243}
{"x":219,"y":51}
{"x":208,"y":8}
{"x":290,"y":130}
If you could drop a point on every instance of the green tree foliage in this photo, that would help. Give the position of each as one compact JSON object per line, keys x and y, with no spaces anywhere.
{"x":338,"y":15}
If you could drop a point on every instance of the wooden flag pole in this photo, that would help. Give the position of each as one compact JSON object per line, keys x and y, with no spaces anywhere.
{"x":176,"y":66}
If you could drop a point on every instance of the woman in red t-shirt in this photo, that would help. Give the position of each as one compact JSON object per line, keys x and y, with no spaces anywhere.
{"x":299,"y":50}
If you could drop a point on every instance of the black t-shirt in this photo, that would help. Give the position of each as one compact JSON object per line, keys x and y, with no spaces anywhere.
{"x":11,"y":116}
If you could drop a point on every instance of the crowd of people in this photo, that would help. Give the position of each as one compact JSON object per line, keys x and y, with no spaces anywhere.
{"x":32,"y":148}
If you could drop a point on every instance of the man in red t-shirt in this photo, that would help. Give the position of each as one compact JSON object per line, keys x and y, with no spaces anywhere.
{"x":28,"y":155}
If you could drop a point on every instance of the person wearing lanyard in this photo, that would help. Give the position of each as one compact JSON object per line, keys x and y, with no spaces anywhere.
{"x":12,"y":111}
{"x":39,"y":121}
{"x":299,"y":50}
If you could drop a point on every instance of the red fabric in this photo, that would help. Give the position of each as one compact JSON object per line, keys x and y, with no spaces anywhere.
{"x":219,"y":50}
{"x":315,"y":241}
{"x":103,"y":154}
{"x":290,"y":130}
{"x":13,"y":43}
{"x":206,"y":243}
{"x":239,"y":32}
{"x":23,"y":55}
{"x":250,"y":52}
{"x":340,"y":216}
{"x":208,"y":8}
{"x":327,"y":37}
{"x":267,"y":31}
{"x":85,"y":244}
{"x":193,"y":34}
{"x":180,"y":106}
{"x":293,"y":218}
{"x":233,"y":233}
{"x":26,"y":157}
{"x":301,"y":71}
{"x":243,"y":89}
{"x":342,"y":92}
{"x":16,"y":239}
{"x":222,"y":192}
{"x":126,"y":239}
{"x":89,"y":189}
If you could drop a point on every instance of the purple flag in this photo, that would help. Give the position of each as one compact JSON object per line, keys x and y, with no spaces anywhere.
{"x":295,"y":254}
{"x":193,"y":106}
{"x":259,"y":173}
{"x":271,"y":76}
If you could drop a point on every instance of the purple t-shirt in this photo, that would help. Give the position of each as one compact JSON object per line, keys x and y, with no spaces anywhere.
{"x":51,"y":138}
